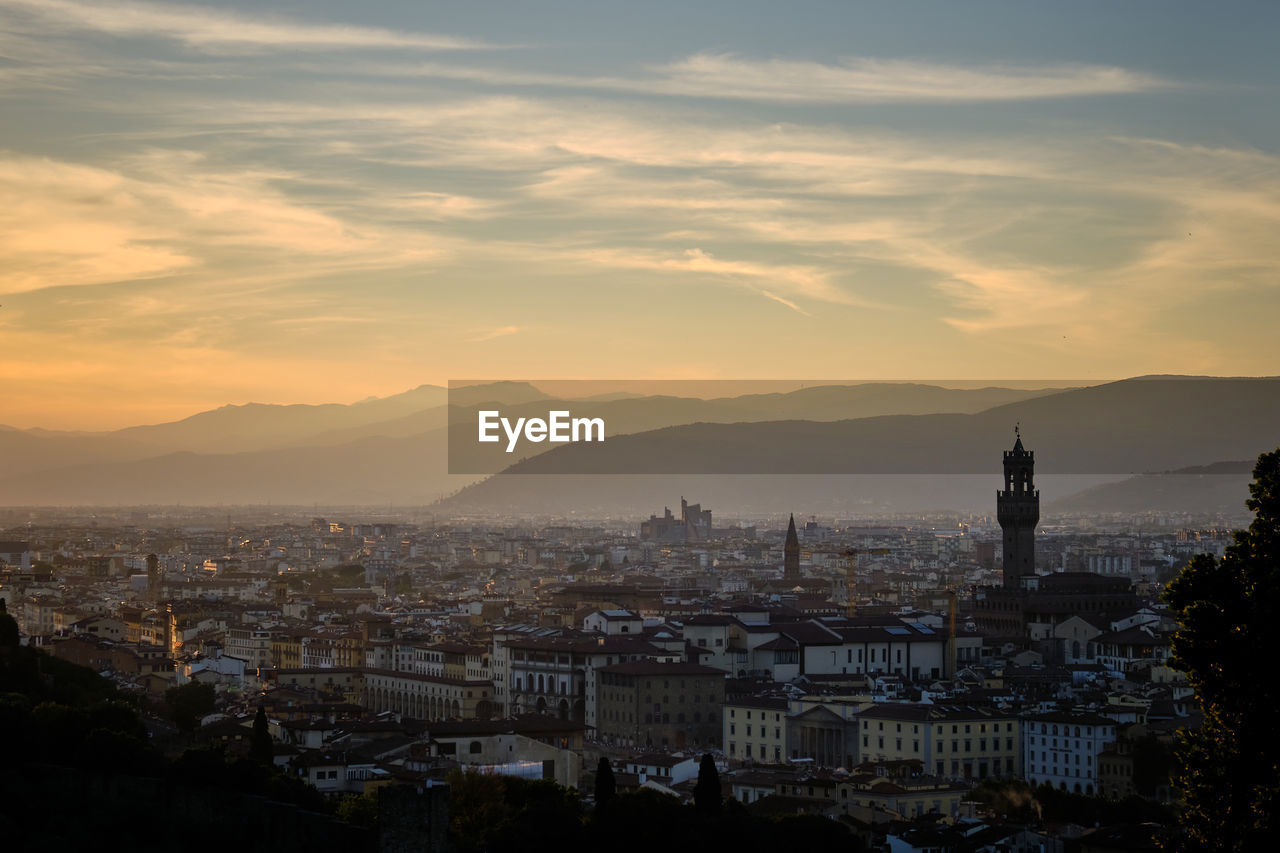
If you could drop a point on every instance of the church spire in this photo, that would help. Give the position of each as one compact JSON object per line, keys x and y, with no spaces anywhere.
{"x":791,"y":554}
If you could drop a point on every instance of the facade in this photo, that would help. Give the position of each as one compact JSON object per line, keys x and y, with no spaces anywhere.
{"x":755,"y":729}
{"x":951,"y":741}
{"x":427,"y":697}
{"x":557,"y":675}
{"x":251,"y":645}
{"x":1063,"y":748}
{"x":652,"y":704}
{"x":822,"y":736}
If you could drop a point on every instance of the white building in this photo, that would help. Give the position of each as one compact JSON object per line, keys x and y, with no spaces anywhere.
{"x":1062,"y":748}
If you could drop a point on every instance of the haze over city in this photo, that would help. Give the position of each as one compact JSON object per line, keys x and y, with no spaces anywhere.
{"x":212,"y":203}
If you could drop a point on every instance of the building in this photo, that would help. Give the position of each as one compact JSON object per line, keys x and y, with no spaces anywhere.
{"x":693,"y":525}
{"x":530,"y":747}
{"x":953,"y":741}
{"x":16,"y":554}
{"x":791,"y":555}
{"x":755,"y":729}
{"x":427,"y":697}
{"x":652,"y":704}
{"x":1062,"y":749}
{"x":251,"y":645}
{"x":1018,"y":511}
{"x":1027,"y":606}
{"x":557,"y":674}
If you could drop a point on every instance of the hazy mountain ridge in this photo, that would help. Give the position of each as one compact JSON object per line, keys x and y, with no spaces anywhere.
{"x":1106,"y":432}
{"x":1114,"y":429}
{"x":46,"y":466}
{"x":1221,"y":487}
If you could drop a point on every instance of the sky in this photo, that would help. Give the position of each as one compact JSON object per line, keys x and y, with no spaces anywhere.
{"x":282,"y":202}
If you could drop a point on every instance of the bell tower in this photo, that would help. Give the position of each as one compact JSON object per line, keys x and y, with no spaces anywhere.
{"x":1018,"y":511}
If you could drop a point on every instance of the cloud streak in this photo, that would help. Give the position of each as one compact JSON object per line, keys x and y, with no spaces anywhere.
{"x":855,"y":80}
{"x":493,"y":334}
{"x":216,"y":32}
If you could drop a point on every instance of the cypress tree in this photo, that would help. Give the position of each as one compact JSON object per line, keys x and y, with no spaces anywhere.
{"x":706,"y":793}
{"x":260,"y":746}
{"x":606,"y":785}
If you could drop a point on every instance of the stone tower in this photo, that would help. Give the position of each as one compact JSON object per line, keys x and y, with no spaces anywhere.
{"x":153,"y":577}
{"x":791,"y":554}
{"x":1018,"y":510}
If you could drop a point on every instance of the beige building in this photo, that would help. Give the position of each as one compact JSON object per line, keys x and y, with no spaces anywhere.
{"x":652,"y":704}
{"x":755,"y":730}
{"x":427,"y":697}
{"x":952,"y":741}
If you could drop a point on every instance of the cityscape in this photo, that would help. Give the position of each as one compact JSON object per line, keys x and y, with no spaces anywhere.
{"x":584,"y":425}
{"x":896,"y":676}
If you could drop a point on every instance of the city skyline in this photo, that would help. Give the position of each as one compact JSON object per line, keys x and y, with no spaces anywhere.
{"x":223,"y":203}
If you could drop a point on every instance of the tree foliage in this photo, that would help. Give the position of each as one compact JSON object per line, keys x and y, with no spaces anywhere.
{"x":9,"y":634}
{"x":188,"y":703}
{"x":260,"y":746}
{"x":606,"y":785}
{"x":706,"y":793}
{"x":1229,"y":770}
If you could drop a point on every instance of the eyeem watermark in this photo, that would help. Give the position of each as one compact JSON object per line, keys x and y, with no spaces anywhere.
{"x":732,"y":426}
{"x":559,"y":427}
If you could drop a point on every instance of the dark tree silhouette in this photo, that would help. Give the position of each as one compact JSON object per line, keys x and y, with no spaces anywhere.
{"x":9,"y":635}
{"x":606,"y":785}
{"x":706,"y":793}
{"x":260,"y":746}
{"x":1229,"y":771}
{"x":188,"y":703}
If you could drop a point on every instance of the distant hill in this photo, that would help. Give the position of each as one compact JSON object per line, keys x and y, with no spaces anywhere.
{"x":1221,"y":488}
{"x":376,"y":450}
{"x":901,"y":446}
{"x":1105,"y":432}
{"x":371,"y":470}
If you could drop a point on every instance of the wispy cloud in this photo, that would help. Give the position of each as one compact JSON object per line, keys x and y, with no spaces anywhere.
{"x":854,"y":80}
{"x":218,"y":31}
{"x":787,"y":302}
{"x":863,"y":80}
{"x":166,"y":212}
{"x":491,"y":334}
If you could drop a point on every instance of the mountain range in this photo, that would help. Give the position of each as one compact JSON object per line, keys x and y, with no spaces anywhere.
{"x":396,"y":449}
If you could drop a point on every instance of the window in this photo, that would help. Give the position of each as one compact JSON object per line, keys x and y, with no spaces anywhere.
{"x":474,"y":748}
